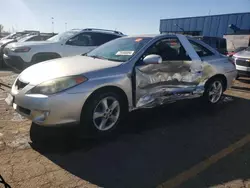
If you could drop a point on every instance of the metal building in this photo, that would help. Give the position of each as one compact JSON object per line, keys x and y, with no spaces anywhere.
{"x":214,"y":25}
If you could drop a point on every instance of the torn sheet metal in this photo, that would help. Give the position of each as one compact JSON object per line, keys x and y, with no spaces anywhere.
{"x":167,"y":82}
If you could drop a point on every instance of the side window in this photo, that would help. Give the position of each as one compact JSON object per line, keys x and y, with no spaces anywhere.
{"x":35,"y":38}
{"x":201,"y":50}
{"x":169,"y":49}
{"x":83,"y":39}
{"x":101,"y":38}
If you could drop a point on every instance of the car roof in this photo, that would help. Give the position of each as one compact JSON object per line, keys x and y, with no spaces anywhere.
{"x":151,"y":35}
{"x":97,"y":30}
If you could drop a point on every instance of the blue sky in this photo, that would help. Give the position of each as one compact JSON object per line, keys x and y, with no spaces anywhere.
{"x":128,"y":16}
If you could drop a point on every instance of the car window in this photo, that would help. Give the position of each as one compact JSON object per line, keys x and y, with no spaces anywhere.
{"x":101,"y":38}
{"x":35,"y":38}
{"x":121,"y":49}
{"x":168,"y":49}
{"x":83,"y":39}
{"x":201,"y":50}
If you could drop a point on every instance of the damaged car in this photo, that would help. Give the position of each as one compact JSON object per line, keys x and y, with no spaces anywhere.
{"x":132,"y":72}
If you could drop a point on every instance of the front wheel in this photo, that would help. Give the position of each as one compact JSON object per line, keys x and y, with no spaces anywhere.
{"x":101,"y":114}
{"x":213,"y":91}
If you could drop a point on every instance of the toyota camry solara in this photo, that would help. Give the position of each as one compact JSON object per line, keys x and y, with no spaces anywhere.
{"x":95,"y":90}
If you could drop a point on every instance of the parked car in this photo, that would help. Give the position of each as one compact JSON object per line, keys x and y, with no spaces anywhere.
{"x":242,"y":62}
{"x":230,"y":54}
{"x":123,"y":75}
{"x":25,"y":38}
{"x":18,"y":34}
{"x":217,"y":43}
{"x":74,"y":42}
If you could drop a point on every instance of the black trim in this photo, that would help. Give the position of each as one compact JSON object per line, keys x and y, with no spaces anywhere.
{"x":243,"y":73}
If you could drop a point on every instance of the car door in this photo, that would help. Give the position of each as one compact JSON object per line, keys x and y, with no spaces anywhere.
{"x":173,"y":79}
{"x":79,"y":44}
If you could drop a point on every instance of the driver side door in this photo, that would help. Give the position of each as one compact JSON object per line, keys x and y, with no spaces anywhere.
{"x":173,"y":79}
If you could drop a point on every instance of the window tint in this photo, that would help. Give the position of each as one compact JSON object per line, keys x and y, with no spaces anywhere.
{"x":35,"y":38}
{"x":201,"y":50}
{"x":169,"y":49}
{"x":101,"y":38}
{"x":83,"y":39}
{"x":121,"y":49}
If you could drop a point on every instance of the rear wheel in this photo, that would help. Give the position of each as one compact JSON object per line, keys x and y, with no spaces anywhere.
{"x":102,"y":114}
{"x":213,"y":91}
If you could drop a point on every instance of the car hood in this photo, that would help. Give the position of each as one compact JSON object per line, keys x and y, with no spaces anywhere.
{"x":61,"y":67}
{"x":30,"y":44}
{"x":243,"y":54}
{"x":5,"y":41}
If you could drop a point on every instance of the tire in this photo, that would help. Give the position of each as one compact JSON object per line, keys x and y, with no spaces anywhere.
{"x":89,"y":125}
{"x":210,"y":89}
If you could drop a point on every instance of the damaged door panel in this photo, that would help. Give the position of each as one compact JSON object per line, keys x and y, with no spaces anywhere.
{"x":177,"y":77}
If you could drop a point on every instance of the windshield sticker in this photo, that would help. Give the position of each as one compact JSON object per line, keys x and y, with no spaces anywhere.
{"x":125,"y":53}
{"x":138,"y":39}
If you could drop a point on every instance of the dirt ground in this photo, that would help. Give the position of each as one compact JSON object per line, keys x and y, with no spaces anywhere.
{"x":152,"y":147}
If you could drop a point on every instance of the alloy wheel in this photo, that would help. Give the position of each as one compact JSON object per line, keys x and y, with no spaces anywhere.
{"x":215,"y":92}
{"x":106,"y":113}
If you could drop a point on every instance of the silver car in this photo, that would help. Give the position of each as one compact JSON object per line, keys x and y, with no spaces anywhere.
{"x":129,"y":73}
{"x":242,"y":62}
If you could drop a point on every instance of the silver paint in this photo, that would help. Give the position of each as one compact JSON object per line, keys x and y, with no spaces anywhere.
{"x":154,"y":84}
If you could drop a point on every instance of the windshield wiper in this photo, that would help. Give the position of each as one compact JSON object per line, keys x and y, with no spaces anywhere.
{"x":117,"y":60}
{"x":96,"y":57}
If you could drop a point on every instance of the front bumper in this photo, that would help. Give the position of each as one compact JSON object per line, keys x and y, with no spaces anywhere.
{"x":58,"y":109}
{"x":15,"y":62}
{"x":244,"y":73}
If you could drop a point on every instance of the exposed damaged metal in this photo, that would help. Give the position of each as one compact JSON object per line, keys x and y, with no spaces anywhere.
{"x":170,"y":81}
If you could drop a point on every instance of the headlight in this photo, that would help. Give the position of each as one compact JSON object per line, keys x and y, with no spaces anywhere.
{"x":20,"y":49}
{"x":57,"y":85}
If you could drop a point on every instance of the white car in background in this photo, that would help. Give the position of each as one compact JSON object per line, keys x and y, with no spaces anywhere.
{"x":74,"y":42}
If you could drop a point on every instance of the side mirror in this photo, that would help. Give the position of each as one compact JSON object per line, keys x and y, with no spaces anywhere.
{"x":152,"y":59}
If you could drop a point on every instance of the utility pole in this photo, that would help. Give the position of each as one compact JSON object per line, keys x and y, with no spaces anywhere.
{"x":52,"y":24}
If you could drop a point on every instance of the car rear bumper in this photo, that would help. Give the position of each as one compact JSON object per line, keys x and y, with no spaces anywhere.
{"x":15,"y":62}
{"x":231,"y":76}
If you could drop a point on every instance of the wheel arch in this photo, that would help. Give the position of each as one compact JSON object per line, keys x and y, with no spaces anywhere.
{"x":115,"y":89}
{"x":220,"y":76}
{"x":43,"y":54}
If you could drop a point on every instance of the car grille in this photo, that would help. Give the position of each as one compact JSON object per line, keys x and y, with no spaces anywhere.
{"x":243,"y":62}
{"x":20,"y":85}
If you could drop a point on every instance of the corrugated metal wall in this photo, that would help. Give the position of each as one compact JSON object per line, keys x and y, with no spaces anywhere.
{"x":216,"y":25}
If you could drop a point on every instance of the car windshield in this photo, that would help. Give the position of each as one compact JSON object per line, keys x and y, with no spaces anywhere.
{"x":63,"y":36}
{"x":120,"y":50}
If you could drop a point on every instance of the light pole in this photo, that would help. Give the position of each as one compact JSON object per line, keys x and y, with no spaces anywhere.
{"x":52,"y":24}
{"x":179,"y":27}
{"x":65,"y":26}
